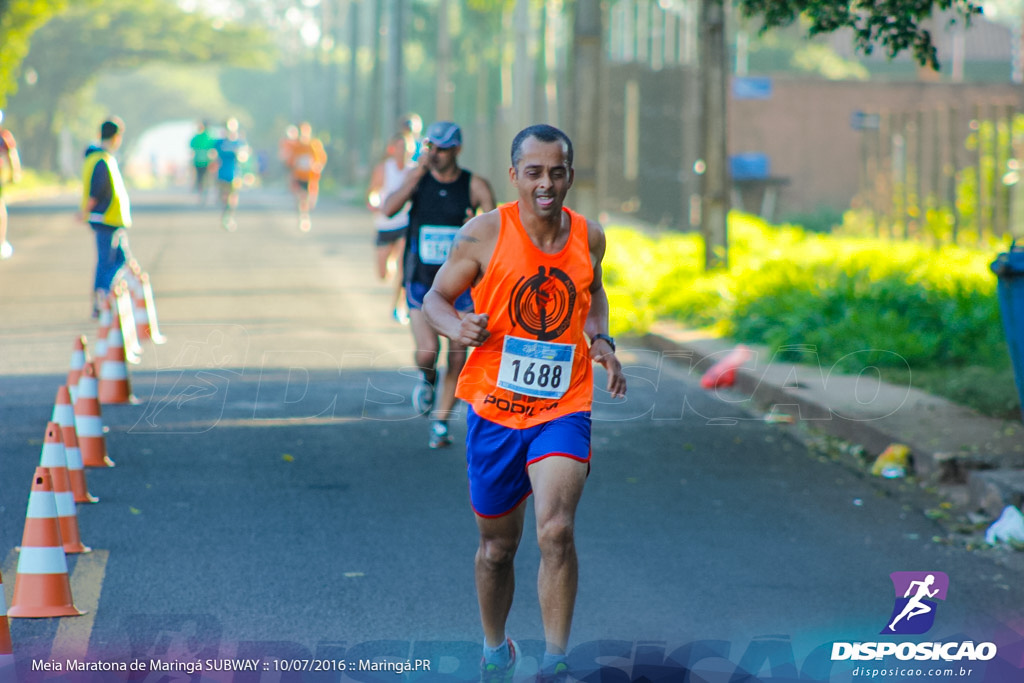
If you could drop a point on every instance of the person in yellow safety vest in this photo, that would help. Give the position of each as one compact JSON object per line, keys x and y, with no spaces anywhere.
{"x":106,"y":208}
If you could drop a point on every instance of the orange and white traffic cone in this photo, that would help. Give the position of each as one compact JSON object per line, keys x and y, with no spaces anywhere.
{"x":114,"y":385}
{"x":150,"y":304}
{"x":101,"y":333}
{"x":142,"y":330}
{"x":54,"y":459}
{"x":89,"y":421}
{"x":116,"y":333}
{"x":126,"y":321}
{"x":6,"y":647}
{"x":42,"y":587}
{"x":79,"y":357}
{"x":64,"y":415}
{"x":723,"y":373}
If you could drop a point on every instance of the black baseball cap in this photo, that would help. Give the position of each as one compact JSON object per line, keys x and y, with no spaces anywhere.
{"x":444,"y":134}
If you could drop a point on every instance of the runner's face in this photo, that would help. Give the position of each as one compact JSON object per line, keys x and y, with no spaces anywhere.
{"x":543,"y":176}
{"x":442,"y":160}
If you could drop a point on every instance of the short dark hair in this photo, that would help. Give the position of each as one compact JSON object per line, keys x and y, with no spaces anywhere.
{"x":544,"y":133}
{"x":110,"y":128}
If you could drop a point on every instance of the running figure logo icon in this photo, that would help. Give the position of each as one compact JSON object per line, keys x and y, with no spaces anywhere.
{"x":914,"y":610}
{"x":543,"y":304}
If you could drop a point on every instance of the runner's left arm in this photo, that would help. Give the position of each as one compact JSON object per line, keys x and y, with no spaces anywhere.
{"x":481,"y":195}
{"x":597,"y":319}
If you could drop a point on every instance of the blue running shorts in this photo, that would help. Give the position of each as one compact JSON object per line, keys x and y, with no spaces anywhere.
{"x":415,"y":291}
{"x":497,"y":457}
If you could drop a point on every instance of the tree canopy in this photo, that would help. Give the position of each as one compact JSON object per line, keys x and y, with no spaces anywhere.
{"x":19,"y":19}
{"x":896,"y":25}
{"x":92,"y":37}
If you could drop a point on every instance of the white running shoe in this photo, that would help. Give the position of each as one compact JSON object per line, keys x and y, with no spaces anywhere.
{"x":423,"y":397}
{"x":439,"y":435}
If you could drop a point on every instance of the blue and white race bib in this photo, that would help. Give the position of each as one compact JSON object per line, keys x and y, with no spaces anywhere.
{"x":536,"y":368}
{"x":435,"y":243}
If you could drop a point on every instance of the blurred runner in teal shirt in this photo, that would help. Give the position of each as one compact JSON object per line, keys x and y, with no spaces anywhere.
{"x":202,"y":144}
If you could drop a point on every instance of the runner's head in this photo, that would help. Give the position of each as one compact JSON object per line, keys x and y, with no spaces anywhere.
{"x":543,"y":133}
{"x":411,"y":124}
{"x":305,"y":131}
{"x":443,"y":143}
{"x":399,"y":149}
{"x":541,"y":169}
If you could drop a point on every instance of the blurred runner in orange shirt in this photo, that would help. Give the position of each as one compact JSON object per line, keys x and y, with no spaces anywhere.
{"x":307,"y":163}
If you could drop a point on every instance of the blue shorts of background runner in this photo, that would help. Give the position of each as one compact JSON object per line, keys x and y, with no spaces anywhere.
{"x":497,"y":457}
{"x":415,"y":291}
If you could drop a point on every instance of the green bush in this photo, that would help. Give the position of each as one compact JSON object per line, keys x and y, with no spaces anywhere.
{"x":907,"y":303}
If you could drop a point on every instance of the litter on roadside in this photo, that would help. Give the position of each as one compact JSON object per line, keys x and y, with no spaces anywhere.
{"x":723,"y":373}
{"x":1009,"y":528}
{"x":892,"y":463}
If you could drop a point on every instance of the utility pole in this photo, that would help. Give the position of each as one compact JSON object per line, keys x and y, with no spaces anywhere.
{"x":394,"y":98}
{"x":445,"y":108}
{"x":376,"y":84}
{"x":352,"y":148}
{"x":523,"y":77}
{"x":586,"y":103}
{"x":714,"y":122}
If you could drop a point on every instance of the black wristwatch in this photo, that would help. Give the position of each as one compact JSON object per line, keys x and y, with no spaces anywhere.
{"x":611,"y":342}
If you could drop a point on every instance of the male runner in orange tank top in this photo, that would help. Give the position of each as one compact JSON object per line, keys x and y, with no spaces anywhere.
{"x":535,"y":270}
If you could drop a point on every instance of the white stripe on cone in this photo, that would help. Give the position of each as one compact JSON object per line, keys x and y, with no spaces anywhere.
{"x":41,"y":505}
{"x":88,"y":426}
{"x":42,"y":561}
{"x":63,"y":414}
{"x":154,"y":326}
{"x":126,"y":320}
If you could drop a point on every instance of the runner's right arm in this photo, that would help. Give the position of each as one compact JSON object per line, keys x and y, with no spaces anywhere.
{"x":465,"y":264}
{"x":394,"y":202}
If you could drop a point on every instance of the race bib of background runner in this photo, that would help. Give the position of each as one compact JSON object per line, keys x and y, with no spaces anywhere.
{"x":435,"y":243}
{"x":535,"y":368}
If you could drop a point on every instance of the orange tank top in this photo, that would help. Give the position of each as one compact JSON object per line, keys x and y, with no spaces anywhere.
{"x":535,"y":366}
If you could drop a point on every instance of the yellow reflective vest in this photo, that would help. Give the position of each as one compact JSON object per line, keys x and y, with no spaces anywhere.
{"x":118,"y":212}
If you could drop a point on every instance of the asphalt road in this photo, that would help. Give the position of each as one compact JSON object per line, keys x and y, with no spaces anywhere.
{"x":274,"y":499}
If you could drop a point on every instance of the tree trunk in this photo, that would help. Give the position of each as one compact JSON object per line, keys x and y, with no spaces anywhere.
{"x":444,"y":105}
{"x":352,"y":147}
{"x":715,"y":209}
{"x":586,"y":104}
{"x":376,"y":85}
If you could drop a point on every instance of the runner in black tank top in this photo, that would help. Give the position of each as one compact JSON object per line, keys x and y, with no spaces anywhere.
{"x":443,"y":196}
{"x":438,"y":211}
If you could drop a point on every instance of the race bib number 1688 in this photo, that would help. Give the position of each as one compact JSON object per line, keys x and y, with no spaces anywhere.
{"x":535,"y":368}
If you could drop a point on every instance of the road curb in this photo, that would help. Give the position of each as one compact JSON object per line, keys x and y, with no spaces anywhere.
{"x":949,"y":444}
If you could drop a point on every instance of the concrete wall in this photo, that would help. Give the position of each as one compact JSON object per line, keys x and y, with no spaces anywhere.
{"x":805,"y":128}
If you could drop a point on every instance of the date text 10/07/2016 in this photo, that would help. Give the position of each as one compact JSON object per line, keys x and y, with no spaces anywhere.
{"x":193,"y":666}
